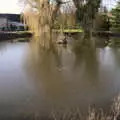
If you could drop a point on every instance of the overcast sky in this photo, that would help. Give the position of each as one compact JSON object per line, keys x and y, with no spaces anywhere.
{"x":13,"y":6}
{"x":109,"y":3}
{"x":10,"y":6}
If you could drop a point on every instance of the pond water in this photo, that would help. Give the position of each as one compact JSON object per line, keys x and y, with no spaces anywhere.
{"x":37,"y":81}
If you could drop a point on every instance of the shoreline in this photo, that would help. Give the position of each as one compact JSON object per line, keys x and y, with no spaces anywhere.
{"x":14,"y":35}
{"x":26,"y":34}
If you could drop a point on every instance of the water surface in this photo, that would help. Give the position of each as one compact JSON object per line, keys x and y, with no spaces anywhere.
{"x":37,"y":81}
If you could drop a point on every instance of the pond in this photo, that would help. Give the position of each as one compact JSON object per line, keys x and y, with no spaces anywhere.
{"x":34,"y":81}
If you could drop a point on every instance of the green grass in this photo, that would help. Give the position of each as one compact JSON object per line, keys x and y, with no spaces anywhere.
{"x":69,"y":30}
{"x":23,"y":32}
{"x":56,"y":30}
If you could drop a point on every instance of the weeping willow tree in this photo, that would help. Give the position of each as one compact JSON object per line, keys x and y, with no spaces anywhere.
{"x":40,"y":15}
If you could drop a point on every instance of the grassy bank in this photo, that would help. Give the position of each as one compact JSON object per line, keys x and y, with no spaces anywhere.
{"x":68,"y":30}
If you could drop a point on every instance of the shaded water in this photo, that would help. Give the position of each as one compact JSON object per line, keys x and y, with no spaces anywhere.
{"x":37,"y":81}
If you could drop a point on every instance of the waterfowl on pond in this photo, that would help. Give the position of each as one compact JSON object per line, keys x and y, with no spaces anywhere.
{"x":62,"y":40}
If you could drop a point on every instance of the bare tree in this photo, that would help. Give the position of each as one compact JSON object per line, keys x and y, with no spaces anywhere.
{"x":86,"y":12}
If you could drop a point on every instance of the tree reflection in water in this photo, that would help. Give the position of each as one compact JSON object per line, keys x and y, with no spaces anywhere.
{"x":86,"y":57}
{"x":61,"y":68}
{"x":71,"y":76}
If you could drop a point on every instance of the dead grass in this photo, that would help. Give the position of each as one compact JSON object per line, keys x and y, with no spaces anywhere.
{"x":93,"y":114}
